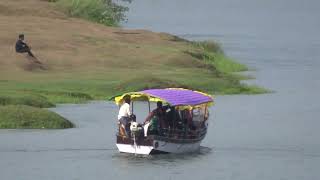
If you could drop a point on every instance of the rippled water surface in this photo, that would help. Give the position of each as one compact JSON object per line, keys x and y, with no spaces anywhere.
{"x":266,"y":137}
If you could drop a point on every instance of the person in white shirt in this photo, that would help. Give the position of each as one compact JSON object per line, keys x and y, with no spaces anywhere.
{"x":125,"y":113}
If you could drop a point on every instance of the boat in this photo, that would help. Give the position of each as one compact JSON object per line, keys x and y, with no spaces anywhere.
{"x":187,"y":112}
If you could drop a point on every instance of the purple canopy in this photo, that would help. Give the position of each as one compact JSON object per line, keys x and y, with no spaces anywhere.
{"x":177,"y":97}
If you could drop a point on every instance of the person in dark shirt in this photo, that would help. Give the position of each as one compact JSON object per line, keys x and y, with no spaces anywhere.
{"x":22,"y":47}
{"x":159,"y":112}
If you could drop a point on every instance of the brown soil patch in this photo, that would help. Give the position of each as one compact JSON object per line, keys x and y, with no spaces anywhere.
{"x":70,"y":44}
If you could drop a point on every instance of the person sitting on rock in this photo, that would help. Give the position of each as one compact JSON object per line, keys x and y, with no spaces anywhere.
{"x":22,"y":47}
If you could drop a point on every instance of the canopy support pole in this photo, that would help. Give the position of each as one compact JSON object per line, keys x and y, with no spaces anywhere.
{"x":205,"y":112}
{"x":132,"y":107}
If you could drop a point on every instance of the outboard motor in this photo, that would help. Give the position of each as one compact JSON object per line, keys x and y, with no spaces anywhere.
{"x":135,"y":129}
{"x":135,"y":133}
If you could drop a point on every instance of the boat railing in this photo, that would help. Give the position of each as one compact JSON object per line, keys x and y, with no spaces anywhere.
{"x":173,"y":133}
{"x":182,"y":134}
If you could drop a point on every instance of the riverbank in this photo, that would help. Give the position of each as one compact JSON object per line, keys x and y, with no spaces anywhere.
{"x":90,"y":61}
{"x":27,"y":117}
{"x":27,"y":112}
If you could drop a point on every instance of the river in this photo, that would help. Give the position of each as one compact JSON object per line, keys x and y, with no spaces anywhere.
{"x":258,"y":137}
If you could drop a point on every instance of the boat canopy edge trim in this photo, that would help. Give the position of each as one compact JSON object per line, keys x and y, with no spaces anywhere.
{"x":183,"y":98}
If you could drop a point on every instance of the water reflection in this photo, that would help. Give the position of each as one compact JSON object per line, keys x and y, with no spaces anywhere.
{"x":161,"y":160}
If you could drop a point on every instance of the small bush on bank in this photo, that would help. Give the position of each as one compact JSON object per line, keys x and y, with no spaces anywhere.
{"x":209,"y":46}
{"x":101,"y":11}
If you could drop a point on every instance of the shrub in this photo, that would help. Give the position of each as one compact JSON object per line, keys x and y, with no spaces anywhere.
{"x":209,"y":46}
{"x":101,"y":11}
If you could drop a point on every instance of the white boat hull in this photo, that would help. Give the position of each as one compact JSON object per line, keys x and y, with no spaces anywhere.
{"x":128,"y":148}
{"x":160,"y":147}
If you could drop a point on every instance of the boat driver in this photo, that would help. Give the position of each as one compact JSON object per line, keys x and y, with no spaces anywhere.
{"x":125,"y":114}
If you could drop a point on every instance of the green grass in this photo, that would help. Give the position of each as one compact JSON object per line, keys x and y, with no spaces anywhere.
{"x":22,"y":116}
{"x":211,"y":53}
{"x":111,"y":63}
{"x":63,"y":96}
{"x":25,"y":99}
{"x":223,"y":63}
{"x":101,"y":11}
{"x":103,"y":85}
{"x":207,"y":70}
{"x":208,"y":46}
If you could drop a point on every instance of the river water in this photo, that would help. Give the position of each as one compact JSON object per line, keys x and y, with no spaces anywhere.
{"x":267,"y":137}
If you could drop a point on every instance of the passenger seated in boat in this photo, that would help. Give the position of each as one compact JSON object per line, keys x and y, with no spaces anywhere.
{"x":160,"y":112}
{"x":172,"y":116}
{"x":181,"y":120}
{"x":125,"y":115}
{"x":183,"y":123}
{"x":156,"y":119}
{"x":187,"y":117}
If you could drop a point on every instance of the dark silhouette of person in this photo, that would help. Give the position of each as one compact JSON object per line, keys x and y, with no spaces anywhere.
{"x":22,"y":47}
{"x":159,"y":112}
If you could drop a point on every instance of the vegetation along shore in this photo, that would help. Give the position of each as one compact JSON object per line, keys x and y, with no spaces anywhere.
{"x":88,"y":57}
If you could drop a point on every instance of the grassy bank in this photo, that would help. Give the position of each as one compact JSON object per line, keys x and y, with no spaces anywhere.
{"x":193,"y":65}
{"x":24,"y":99}
{"x":23,"y":110}
{"x":21,"y":116}
{"x":90,"y":61}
